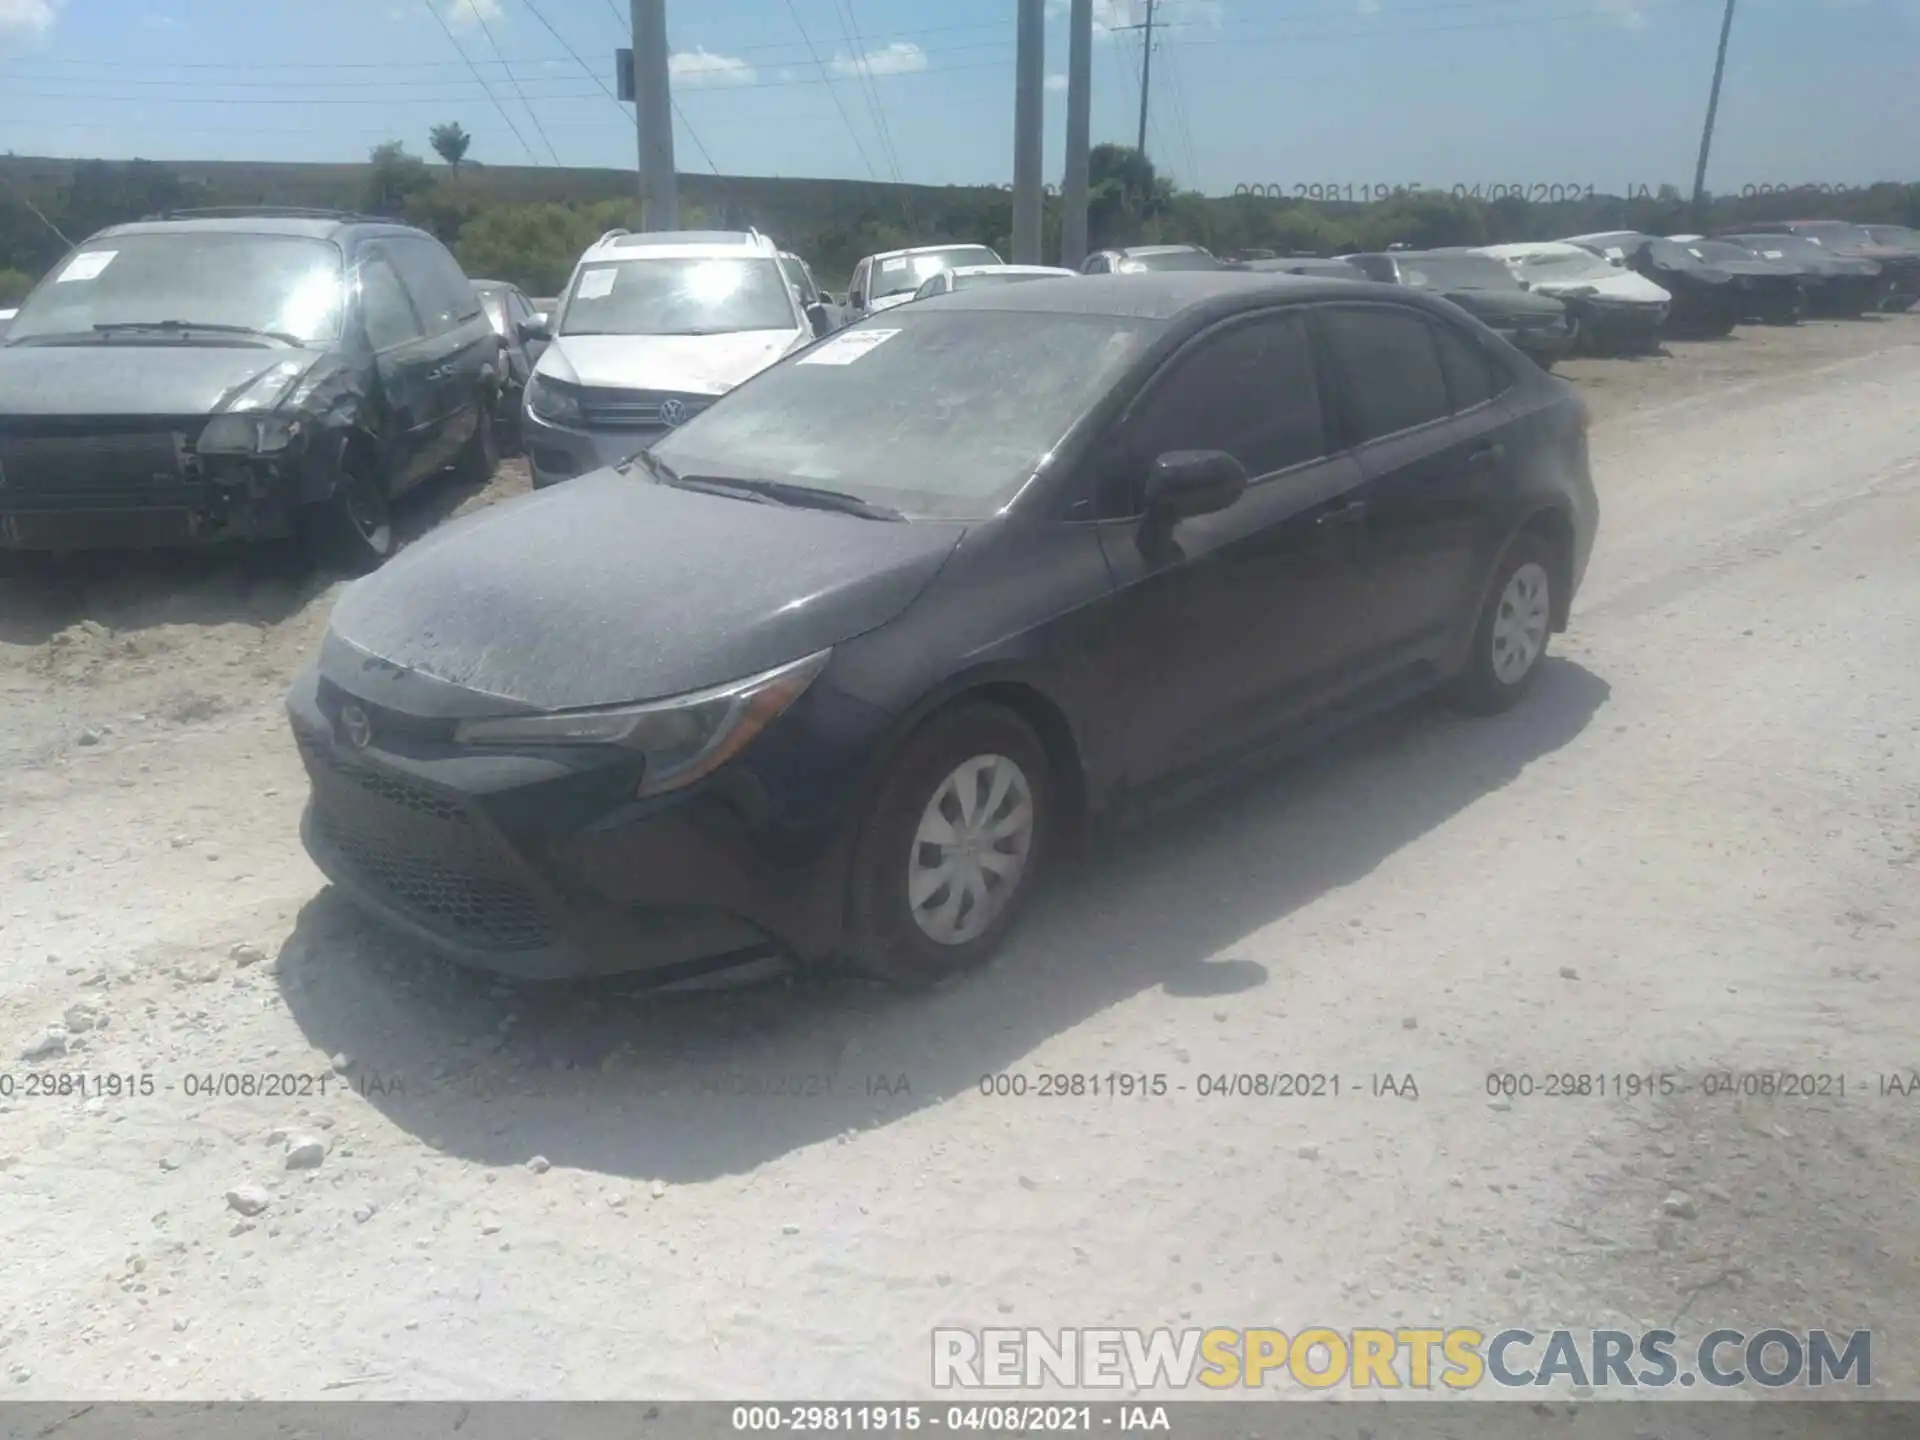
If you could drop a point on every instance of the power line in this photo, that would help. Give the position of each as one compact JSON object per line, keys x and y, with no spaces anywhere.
{"x":850,"y":29}
{"x":448,"y":31}
{"x":486,"y":30}
{"x":38,"y":214}
{"x":845,"y":118}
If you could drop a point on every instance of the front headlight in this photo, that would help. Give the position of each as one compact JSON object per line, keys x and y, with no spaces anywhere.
{"x":238,"y":434}
{"x":552,"y":402}
{"x":683,"y":739}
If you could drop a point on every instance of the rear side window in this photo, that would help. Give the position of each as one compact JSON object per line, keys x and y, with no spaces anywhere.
{"x":1250,"y":389}
{"x":1390,"y":368}
{"x":1471,"y":379}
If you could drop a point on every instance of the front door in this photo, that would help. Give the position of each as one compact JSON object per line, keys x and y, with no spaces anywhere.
{"x":1230,"y":626}
{"x":403,"y":363}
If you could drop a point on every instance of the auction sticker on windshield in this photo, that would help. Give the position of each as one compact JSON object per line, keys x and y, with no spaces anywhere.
{"x":595,"y":284}
{"x":87,"y":266}
{"x":846,"y":347}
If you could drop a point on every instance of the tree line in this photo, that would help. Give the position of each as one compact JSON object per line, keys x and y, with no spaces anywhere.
{"x":529,"y":226}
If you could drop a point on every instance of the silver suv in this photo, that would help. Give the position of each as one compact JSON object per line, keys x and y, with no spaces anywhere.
{"x":651,"y":330}
{"x":882,"y":281}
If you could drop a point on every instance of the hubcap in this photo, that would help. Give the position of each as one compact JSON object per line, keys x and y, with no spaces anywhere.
{"x":1520,"y":624}
{"x":970,"y":850}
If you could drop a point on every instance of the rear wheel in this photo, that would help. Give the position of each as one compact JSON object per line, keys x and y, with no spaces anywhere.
{"x":1510,"y":641}
{"x":353,"y":530}
{"x":951,"y":846}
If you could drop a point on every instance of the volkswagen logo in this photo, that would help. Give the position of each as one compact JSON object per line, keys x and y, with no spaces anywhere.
{"x":673,"y":412}
{"x":358,"y":726}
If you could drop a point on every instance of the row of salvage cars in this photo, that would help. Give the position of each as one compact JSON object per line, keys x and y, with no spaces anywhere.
{"x":1618,"y":292}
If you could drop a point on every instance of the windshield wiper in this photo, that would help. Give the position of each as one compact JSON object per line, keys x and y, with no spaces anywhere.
{"x":128,"y":327}
{"x":798,"y":497}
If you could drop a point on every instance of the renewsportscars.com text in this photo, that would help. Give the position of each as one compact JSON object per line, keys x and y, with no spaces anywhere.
{"x":1455,"y":1359}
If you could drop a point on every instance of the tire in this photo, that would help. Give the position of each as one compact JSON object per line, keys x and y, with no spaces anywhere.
{"x":481,"y":455}
{"x":948,"y":931}
{"x":1518,"y":613}
{"x":353,"y":529}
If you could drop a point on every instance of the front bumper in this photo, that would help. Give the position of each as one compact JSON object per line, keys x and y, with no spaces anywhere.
{"x":111,"y":488}
{"x":1545,"y":344}
{"x":540,"y":867}
{"x":557,"y":452}
{"x":1608,"y":329}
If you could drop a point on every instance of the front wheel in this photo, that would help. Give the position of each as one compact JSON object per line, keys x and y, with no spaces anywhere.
{"x":951,"y":846}
{"x":1510,"y":640}
{"x":354,"y":528}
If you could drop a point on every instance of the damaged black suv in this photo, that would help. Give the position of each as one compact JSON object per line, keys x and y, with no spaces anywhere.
{"x":213,"y":376}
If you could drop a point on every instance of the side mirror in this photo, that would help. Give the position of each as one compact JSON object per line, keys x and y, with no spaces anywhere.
{"x":820,"y":318}
{"x":539,"y":328}
{"x":1184,"y":483}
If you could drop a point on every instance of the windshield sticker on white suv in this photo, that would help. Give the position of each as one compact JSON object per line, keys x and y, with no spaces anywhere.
{"x":846,"y":347}
{"x":1773,"y":254}
{"x":87,"y":266}
{"x":595,"y":284}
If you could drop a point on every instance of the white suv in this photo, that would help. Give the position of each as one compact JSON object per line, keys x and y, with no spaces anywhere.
{"x":651,"y":330}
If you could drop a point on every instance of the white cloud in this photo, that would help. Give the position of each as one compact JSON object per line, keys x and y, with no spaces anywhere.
{"x":902,"y":57}
{"x":1367,"y":7}
{"x":1627,"y":14}
{"x":1110,"y":16}
{"x":1056,"y":82}
{"x":28,"y":19}
{"x":462,"y":14}
{"x":702,"y":67}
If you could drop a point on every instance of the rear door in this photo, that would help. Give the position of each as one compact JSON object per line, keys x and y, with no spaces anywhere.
{"x":1421,"y":403}
{"x":1237,"y":624}
{"x":402,"y":361}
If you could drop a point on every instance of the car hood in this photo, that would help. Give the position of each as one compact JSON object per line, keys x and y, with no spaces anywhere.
{"x":686,"y":364}
{"x":1622,"y":288}
{"x":1498,"y":305}
{"x":611,"y":589}
{"x":138,"y":379}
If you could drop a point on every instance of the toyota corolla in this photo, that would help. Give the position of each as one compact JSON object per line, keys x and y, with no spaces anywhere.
{"x":837,"y":667}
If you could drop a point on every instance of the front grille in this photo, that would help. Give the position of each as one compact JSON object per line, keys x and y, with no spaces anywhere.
{"x":421,"y":852}
{"x":602,"y":408}
{"x":43,"y":459}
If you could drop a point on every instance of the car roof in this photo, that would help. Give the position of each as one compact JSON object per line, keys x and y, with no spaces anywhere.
{"x":1609,"y":237}
{"x":304,"y":226}
{"x":1160,"y":250}
{"x":680,"y":245}
{"x":494,"y":285}
{"x":1531,"y":247}
{"x":930,"y":249}
{"x":1160,"y":295}
{"x":1007,"y":270}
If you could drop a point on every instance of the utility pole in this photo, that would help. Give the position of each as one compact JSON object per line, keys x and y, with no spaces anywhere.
{"x":1073,"y":184}
{"x":1713,"y":108}
{"x":653,"y":113}
{"x":1146,"y":74}
{"x":1029,"y":129}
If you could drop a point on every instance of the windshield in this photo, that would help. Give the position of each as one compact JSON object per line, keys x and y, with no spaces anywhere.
{"x":1775,"y":247}
{"x":938,"y":413}
{"x":287,"y":284}
{"x":1171,"y":260}
{"x":1673,"y":256}
{"x":1571,"y":265}
{"x":1902,"y":236}
{"x":1716,"y":252}
{"x":903,"y":274}
{"x":1456,"y":272}
{"x":678,"y":297}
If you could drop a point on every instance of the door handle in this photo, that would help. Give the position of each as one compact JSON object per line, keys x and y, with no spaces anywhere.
{"x":1351,"y":513}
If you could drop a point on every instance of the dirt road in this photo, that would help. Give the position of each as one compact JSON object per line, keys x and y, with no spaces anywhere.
{"x":1696,"y":848}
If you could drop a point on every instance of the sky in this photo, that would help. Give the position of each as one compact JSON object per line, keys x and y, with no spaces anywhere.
{"x":1602,"y":93}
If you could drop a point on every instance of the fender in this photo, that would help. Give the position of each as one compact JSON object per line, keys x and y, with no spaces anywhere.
{"x":1461,"y":645}
{"x":320,"y":472}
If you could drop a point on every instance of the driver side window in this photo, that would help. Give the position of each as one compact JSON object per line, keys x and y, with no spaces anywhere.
{"x":1249,"y":388}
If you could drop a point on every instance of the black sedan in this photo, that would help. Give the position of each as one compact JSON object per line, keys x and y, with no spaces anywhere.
{"x":837,"y":666}
{"x":1537,"y":325}
{"x":1899,"y":265}
{"x":1707,"y":298}
{"x":1837,"y":286}
{"x":1770,"y":292}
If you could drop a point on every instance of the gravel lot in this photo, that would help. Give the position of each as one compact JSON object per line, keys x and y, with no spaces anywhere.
{"x":1696,"y":847}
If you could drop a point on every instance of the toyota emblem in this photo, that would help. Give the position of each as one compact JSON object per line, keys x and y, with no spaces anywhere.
{"x":673,"y":412}
{"x":358,"y":726}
